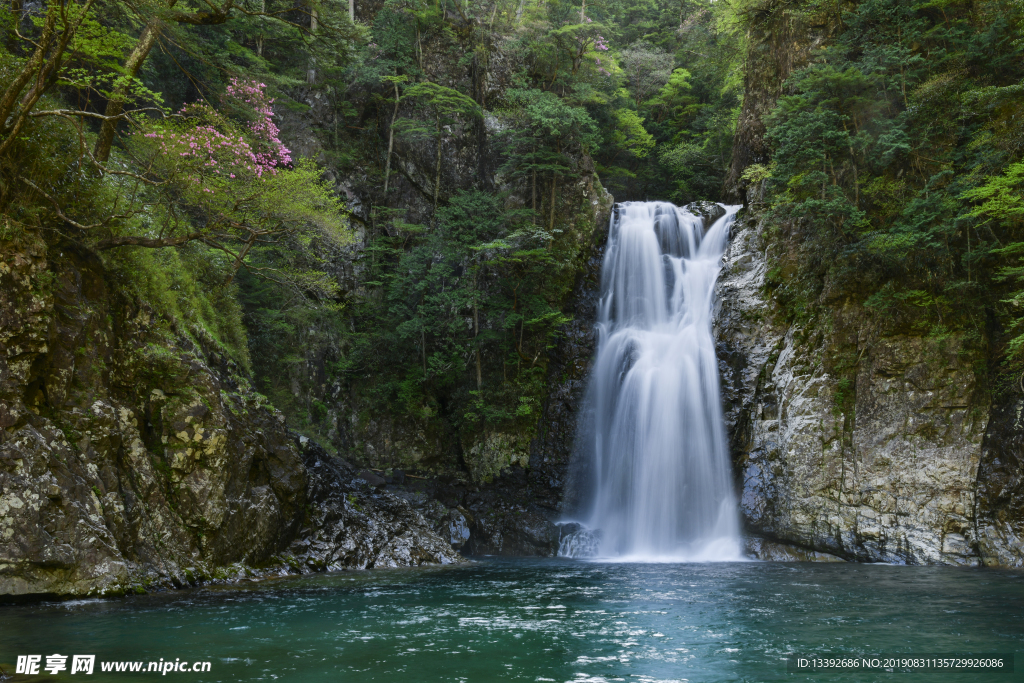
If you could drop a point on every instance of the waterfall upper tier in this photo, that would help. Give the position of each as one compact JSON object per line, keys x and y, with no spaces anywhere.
{"x":652,"y":453}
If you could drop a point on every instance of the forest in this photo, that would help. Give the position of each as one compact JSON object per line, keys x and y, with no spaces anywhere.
{"x":381,"y":209}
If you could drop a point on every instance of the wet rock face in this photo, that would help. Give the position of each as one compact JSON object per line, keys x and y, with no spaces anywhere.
{"x":131,"y":456}
{"x":1000,"y":494}
{"x":358,"y":524}
{"x":771,"y":551}
{"x":850,"y":442}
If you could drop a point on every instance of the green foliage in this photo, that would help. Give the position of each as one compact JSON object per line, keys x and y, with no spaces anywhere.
{"x":647,"y":69}
{"x":483,"y":280}
{"x":186,"y":287}
{"x":446,"y":104}
{"x":689,"y":102}
{"x":1001,"y":200}
{"x":549,"y":137}
{"x":631,"y":135}
{"x":896,"y":162}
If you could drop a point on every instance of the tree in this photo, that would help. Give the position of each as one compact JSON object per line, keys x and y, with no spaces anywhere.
{"x":58,"y":44}
{"x":646,"y":68}
{"x":446,"y":106}
{"x":549,"y":131}
{"x":393,"y":81}
{"x":214,"y":14}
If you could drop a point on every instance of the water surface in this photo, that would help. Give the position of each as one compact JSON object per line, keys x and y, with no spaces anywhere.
{"x":541,"y":620}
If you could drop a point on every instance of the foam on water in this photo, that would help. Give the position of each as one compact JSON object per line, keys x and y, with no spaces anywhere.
{"x":652,"y":472}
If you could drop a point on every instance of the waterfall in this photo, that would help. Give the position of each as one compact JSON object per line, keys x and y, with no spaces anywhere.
{"x":652,"y":471}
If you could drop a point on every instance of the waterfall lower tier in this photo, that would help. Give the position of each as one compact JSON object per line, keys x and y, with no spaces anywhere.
{"x":652,"y":467}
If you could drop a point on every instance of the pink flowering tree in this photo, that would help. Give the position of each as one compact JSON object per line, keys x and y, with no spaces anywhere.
{"x":221,"y":176}
{"x":250,"y":100}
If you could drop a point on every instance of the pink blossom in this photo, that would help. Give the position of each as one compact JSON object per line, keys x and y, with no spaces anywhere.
{"x":208,"y":147}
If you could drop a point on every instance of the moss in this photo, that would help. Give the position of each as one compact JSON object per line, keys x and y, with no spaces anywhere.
{"x":185,"y":286}
{"x":496,"y":452}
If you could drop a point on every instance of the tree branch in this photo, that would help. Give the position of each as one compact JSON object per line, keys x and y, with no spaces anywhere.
{"x":89,"y":114}
{"x":56,"y":208}
{"x":150,"y":242}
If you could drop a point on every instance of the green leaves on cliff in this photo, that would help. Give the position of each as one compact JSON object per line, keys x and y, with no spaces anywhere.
{"x":895,"y":158}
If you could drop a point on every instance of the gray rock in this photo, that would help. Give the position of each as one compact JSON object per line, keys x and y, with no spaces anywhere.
{"x":371,"y":478}
{"x":874,"y":456}
{"x":351,"y":527}
{"x":131,"y":457}
{"x":773,"y":551}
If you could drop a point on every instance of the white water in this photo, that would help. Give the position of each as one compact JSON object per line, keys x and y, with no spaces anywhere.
{"x":653,"y":471}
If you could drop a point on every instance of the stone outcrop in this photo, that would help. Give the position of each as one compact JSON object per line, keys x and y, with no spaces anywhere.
{"x":356,"y":523}
{"x":859,"y":441}
{"x":133,"y":453}
{"x":999,"y":499}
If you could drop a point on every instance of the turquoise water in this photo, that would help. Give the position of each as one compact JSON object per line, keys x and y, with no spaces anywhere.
{"x":540,"y":620}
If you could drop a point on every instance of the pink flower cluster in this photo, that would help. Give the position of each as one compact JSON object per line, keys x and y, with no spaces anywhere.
{"x":272,"y":152}
{"x":227,"y":155}
{"x":222,"y":154}
{"x":599,"y":44}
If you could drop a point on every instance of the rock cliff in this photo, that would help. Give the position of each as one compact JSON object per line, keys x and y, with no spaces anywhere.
{"x":853,"y":439}
{"x":133,"y":452}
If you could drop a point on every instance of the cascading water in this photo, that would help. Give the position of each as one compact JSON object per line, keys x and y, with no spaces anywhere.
{"x":652,"y":469}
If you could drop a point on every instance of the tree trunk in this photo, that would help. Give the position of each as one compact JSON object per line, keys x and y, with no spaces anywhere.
{"x":519,"y":11}
{"x":480,"y":88}
{"x":115,"y":105}
{"x":259,"y":38}
{"x":352,"y":10}
{"x":534,"y":174}
{"x":476,"y":333}
{"x":551,"y":226}
{"x":314,"y":17}
{"x":44,"y":66}
{"x":437,"y":172}
{"x":583,"y":9}
{"x":391,"y":142}
{"x":10,"y":96}
{"x":419,"y":47}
